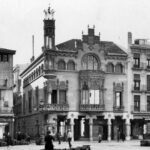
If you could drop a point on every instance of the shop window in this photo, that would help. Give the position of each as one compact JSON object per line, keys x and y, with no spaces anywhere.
{"x":137,"y":103}
{"x":110,"y":67}
{"x":70,"y":65}
{"x":61,"y":65}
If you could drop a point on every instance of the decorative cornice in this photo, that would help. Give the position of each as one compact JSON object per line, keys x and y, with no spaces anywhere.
{"x":62,"y":53}
{"x":116,"y":57}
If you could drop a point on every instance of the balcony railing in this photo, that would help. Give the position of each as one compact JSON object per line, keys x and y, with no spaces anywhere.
{"x":54,"y":107}
{"x":118,"y":108}
{"x":49,"y":74}
{"x":140,"y":109}
{"x":142,"y":88}
{"x":6,"y":111}
{"x":91,"y":107}
{"x":139,"y":67}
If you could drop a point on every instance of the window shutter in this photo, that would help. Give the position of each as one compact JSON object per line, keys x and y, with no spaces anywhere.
{"x":148,"y":82}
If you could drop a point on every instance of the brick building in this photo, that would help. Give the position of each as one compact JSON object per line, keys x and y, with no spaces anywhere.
{"x":6,"y":92}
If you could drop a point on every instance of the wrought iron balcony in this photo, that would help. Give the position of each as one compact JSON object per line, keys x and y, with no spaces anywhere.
{"x":141,"y":66}
{"x":91,"y":107}
{"x":118,"y":108}
{"x":54,"y":107}
{"x":140,"y":109}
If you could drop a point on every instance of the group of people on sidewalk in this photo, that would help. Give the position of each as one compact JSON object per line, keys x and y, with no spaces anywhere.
{"x":49,"y":140}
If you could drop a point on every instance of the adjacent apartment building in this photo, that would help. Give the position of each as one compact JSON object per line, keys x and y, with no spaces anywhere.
{"x":6,"y":92}
{"x":87,"y":85}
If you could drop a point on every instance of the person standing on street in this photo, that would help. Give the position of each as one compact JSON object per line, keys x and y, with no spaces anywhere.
{"x":69,"y":137}
{"x":49,"y":141}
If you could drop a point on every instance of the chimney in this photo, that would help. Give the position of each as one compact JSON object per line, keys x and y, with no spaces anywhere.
{"x":129,"y":38}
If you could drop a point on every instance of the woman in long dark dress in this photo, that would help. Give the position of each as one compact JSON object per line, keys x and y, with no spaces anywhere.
{"x":49,"y":141}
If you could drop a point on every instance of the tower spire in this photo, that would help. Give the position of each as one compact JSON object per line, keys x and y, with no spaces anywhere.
{"x":49,"y":28}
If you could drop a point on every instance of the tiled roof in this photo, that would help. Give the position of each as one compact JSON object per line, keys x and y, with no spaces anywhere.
{"x":70,"y":45}
{"x":109,"y":47}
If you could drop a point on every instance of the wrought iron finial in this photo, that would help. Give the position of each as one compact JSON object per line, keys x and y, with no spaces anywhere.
{"x":49,"y":13}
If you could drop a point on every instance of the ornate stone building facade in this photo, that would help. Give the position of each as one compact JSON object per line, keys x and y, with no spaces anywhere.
{"x":84,"y":85}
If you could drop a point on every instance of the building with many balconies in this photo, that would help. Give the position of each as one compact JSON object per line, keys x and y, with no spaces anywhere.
{"x":139,"y":85}
{"x":6,"y":92}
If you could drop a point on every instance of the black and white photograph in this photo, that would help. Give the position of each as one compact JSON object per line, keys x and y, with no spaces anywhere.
{"x":74,"y":74}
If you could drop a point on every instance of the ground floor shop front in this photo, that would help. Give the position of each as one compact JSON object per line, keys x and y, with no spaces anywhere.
{"x":83,"y":126}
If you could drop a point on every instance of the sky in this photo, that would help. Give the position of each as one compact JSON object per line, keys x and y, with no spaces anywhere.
{"x":20,"y":19}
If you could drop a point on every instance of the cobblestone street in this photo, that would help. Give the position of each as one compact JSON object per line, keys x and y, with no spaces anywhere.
{"x":113,"y":145}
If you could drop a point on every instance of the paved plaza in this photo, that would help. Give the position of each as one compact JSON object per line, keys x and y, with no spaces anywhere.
{"x":113,"y":145}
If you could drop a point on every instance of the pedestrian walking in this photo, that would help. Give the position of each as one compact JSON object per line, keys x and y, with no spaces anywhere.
{"x":99,"y":138}
{"x":69,"y":137}
{"x":8,"y":139}
{"x":49,"y":141}
{"x":59,"y":137}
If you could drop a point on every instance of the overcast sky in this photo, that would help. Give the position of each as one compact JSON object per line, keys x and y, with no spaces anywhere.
{"x":20,"y":19}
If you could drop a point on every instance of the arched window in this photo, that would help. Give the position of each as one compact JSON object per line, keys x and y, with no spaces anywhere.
{"x":61,"y":65}
{"x":71,"y":65}
{"x":110,"y":67}
{"x":119,"y":68}
{"x":90,"y":62}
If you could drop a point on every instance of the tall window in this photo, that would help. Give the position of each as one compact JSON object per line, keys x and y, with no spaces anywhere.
{"x":90,"y":62}
{"x":137,"y":103}
{"x":54,"y":96}
{"x":136,"y":60}
{"x":71,"y":65}
{"x":51,"y":63}
{"x":119,"y":68}
{"x":85,"y":93}
{"x":137,"y":82}
{"x":91,"y":95}
{"x":148,"y":82}
{"x":30,"y":100}
{"x":118,"y":97}
{"x":148,"y":62}
{"x":110,"y":67}
{"x":62,"y":96}
{"x":37,"y":97}
{"x":148,"y":103}
{"x":61,"y":65}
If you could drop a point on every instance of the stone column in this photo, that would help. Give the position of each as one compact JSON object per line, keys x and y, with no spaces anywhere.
{"x":42,"y":128}
{"x":91,"y":128}
{"x":128,"y":129}
{"x":109,"y":129}
{"x":72,"y":127}
{"x":11,"y":126}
